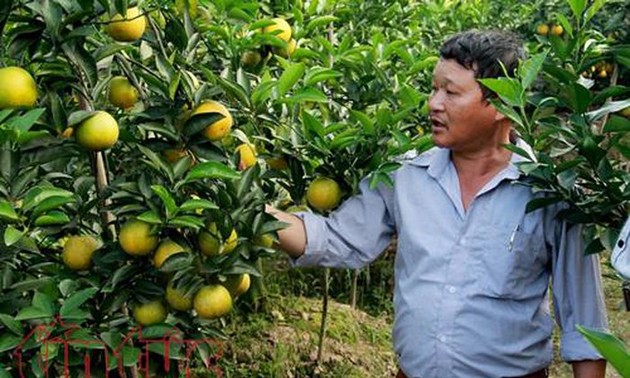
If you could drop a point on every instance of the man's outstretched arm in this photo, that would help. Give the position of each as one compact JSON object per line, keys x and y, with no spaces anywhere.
{"x":291,"y":239}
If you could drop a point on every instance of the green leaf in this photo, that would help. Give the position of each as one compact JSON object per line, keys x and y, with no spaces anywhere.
{"x":51,"y":203}
{"x":610,"y":347}
{"x":12,"y":324}
{"x":290,"y":77}
{"x":76,"y":300}
{"x":312,"y":125}
{"x":6,"y":212}
{"x":424,"y":64}
{"x":82,"y":58}
{"x":262,"y":92}
{"x":617,"y":124}
{"x":577,"y":7}
{"x":167,"y":199}
{"x":38,"y":194}
{"x":198,"y":204}
{"x":12,"y":236}
{"x":365,"y":120}
{"x":509,"y":90}
{"x":234,"y":89}
{"x":611,"y":107}
{"x":8,"y":342}
{"x":306,"y":95}
{"x":79,"y":116}
{"x":199,"y":122}
{"x":187,"y":221}
{"x":594,"y":8}
{"x":150,"y":217}
{"x":53,"y":218}
{"x":320,"y":21}
{"x":24,"y":122}
{"x":577,"y":97}
{"x":43,"y":301}
{"x":29,"y":313}
{"x":530,"y":69}
{"x":211,"y":170}
{"x":157,"y":161}
{"x":318,"y":74}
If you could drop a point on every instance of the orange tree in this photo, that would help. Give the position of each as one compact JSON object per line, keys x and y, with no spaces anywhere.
{"x":122,"y":204}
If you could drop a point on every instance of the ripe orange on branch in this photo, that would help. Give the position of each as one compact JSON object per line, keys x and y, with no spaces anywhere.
{"x":136,"y":238}
{"x":323,"y":194}
{"x":212,"y":301}
{"x":149,"y":313}
{"x":542,"y":29}
{"x":238,"y":284}
{"x":166,"y":249}
{"x":17,"y":88}
{"x":177,"y":298}
{"x":283,"y":27}
{"x":218,"y":129}
{"x":98,"y":132}
{"x":78,"y":250}
{"x":211,"y":243}
{"x":247,"y":154}
{"x":121,"y":93}
{"x":128,"y":28}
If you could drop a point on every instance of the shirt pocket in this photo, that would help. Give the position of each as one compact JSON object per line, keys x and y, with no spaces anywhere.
{"x":511,"y":264}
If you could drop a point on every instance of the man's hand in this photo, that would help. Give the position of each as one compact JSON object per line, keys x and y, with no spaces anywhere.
{"x":292,"y":239}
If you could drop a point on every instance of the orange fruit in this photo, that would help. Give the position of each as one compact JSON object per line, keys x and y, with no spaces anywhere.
{"x":78,"y":250}
{"x":121,"y":93}
{"x":323,"y":194}
{"x":557,"y":30}
{"x":166,"y":249}
{"x":98,"y":132}
{"x":218,"y":129}
{"x":211,"y":243}
{"x":177,"y":298}
{"x":128,"y":28}
{"x":17,"y":88}
{"x":149,"y":313}
{"x":247,"y":154}
{"x":283,"y":27}
{"x":136,"y":238}
{"x":212,"y":301}
{"x":542,"y":29}
{"x":238,"y":284}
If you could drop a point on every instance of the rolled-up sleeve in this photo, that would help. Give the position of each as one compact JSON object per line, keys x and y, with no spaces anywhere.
{"x":352,"y":236}
{"x":577,"y":293}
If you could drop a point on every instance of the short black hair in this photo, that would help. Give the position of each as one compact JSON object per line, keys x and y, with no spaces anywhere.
{"x":482,"y":50}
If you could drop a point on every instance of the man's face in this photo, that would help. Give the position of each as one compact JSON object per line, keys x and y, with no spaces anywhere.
{"x":461,"y":119}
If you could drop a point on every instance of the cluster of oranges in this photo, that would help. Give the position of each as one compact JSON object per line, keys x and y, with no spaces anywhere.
{"x":281,"y":29}
{"x":139,"y":239}
{"x":549,"y":29}
{"x":601,"y":70}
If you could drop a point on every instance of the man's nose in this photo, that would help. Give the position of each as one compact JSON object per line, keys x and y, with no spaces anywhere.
{"x":436,"y":101}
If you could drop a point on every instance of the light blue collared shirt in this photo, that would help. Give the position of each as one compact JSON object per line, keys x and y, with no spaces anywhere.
{"x":471,"y":293}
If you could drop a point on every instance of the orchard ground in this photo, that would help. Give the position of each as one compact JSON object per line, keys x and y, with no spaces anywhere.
{"x":282,"y":341}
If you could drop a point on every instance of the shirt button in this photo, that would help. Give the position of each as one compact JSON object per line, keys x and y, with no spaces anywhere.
{"x":464,"y":241}
{"x":442,"y":338}
{"x":452,"y":289}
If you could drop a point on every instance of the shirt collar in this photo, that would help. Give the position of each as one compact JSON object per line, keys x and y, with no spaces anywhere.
{"x":437,"y":159}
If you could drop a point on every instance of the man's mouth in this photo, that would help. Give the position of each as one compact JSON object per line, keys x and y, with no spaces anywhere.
{"x":437,"y":124}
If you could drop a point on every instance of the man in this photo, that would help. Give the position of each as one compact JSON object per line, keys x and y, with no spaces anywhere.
{"x":472,"y":268}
